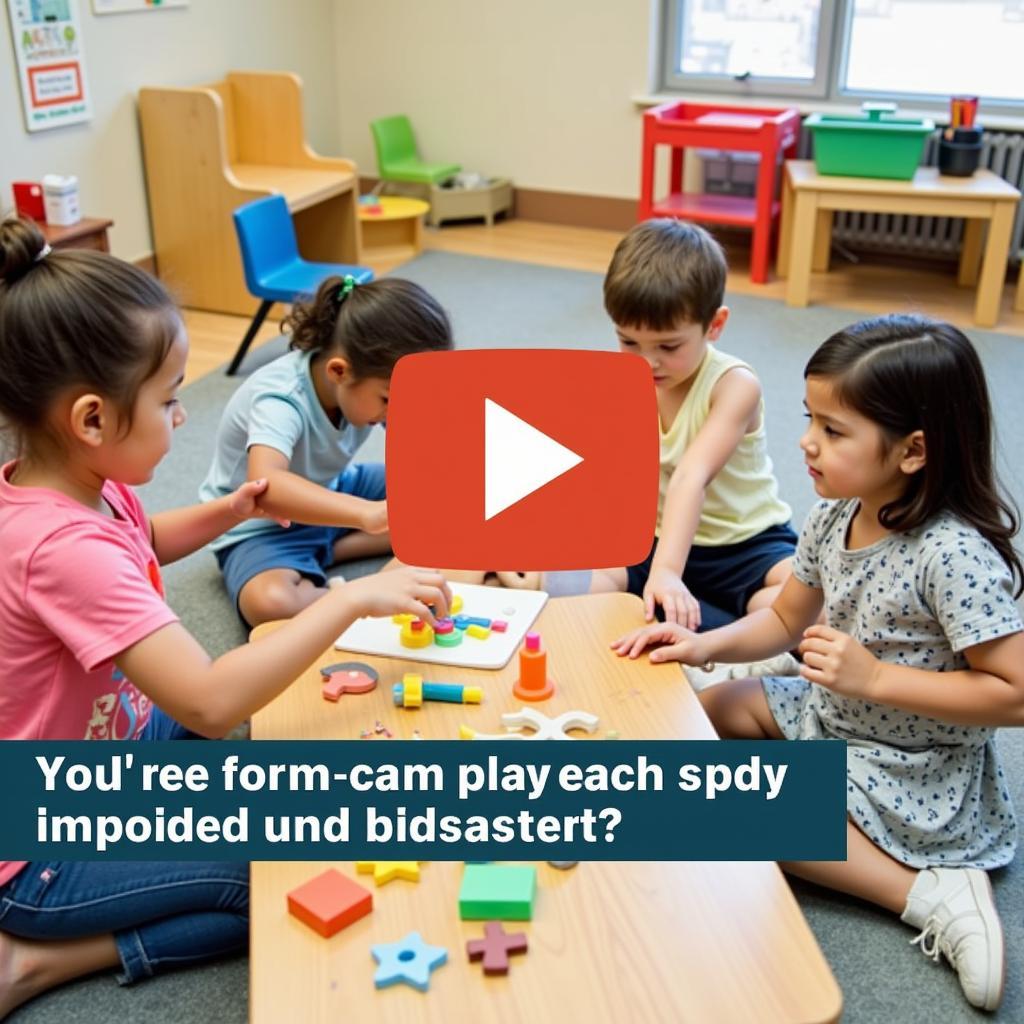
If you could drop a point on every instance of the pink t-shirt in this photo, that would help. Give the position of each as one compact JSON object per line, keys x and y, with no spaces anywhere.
{"x":76,"y":589}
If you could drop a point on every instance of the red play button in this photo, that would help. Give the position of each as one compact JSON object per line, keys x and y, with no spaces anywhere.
{"x":542,"y":459}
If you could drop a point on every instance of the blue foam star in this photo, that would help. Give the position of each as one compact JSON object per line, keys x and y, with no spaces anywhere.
{"x":409,"y":959}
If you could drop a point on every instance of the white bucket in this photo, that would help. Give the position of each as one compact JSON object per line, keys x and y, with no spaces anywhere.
{"x":60,"y":197}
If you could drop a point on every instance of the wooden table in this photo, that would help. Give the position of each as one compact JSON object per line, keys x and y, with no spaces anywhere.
{"x":396,"y":229}
{"x":88,"y":233}
{"x":609,"y":942}
{"x":810,"y":199}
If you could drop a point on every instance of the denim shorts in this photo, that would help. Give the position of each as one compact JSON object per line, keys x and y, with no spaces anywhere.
{"x":309,"y":550}
{"x":724,"y":578}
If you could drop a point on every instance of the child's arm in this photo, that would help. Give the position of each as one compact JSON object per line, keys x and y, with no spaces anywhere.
{"x":211,"y":697}
{"x":990,"y":692}
{"x":180,"y":531}
{"x":290,"y":496}
{"x":734,"y":404}
{"x":759,"y":635}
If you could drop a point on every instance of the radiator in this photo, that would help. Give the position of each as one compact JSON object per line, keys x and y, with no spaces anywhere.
{"x":932,"y":237}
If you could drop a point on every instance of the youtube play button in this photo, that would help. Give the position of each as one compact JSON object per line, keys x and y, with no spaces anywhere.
{"x":513,"y":459}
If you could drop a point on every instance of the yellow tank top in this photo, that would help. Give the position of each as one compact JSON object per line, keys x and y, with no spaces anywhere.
{"x":743,"y":499}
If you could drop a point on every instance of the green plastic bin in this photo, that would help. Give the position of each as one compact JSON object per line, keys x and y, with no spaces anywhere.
{"x":874,"y":144}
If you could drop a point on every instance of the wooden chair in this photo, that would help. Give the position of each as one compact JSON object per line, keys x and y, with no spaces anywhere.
{"x":209,"y":149}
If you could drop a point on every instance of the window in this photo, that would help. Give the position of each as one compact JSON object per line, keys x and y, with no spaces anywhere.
{"x":914,"y":51}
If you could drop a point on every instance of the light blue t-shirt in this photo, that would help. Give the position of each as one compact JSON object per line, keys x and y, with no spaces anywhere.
{"x":278,"y":407}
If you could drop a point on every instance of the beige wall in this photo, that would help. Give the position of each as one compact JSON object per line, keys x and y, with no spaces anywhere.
{"x":536,"y":90}
{"x":170,"y":47}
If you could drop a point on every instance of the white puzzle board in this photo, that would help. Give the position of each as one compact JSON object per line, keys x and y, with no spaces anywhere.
{"x":519,"y":608}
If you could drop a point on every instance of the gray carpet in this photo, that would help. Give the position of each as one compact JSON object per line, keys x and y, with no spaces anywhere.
{"x":502,"y":304}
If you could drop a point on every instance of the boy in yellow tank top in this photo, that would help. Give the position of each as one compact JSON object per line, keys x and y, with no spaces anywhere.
{"x":723,"y":543}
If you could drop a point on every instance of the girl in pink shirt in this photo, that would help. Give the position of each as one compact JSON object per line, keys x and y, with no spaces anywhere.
{"x":92,"y":354}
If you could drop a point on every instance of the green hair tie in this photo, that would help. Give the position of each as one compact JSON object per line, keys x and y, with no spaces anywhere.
{"x":347,"y":285}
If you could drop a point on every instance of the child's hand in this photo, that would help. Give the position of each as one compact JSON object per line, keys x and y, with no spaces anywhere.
{"x":243,"y":502}
{"x":664,"y":587}
{"x":401,"y":590}
{"x":837,"y":661}
{"x":375,"y":518}
{"x":682,"y":644}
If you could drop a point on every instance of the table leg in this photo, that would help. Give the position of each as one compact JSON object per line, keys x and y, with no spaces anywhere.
{"x":761,"y":243}
{"x":785,"y":225}
{"x":822,"y":241}
{"x":805,"y":218}
{"x":646,"y":204}
{"x":993,"y":266}
{"x":1019,"y":304}
{"x":970,"y":252}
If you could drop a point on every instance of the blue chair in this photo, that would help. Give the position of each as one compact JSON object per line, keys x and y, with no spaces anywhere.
{"x":274,"y":270}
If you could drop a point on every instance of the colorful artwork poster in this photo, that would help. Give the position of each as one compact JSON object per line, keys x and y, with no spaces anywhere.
{"x":47,"y":40}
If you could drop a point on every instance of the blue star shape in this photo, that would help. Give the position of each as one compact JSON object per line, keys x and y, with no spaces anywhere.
{"x":409,"y":959}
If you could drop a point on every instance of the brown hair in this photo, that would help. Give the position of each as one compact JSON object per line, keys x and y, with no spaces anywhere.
{"x":373,"y":325}
{"x":74,"y":318}
{"x":663,"y":272}
{"x":908,"y":373}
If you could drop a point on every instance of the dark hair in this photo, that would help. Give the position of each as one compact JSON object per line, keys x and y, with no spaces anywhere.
{"x":373,"y":324}
{"x":908,"y":373}
{"x":74,"y":317}
{"x":665,"y":271}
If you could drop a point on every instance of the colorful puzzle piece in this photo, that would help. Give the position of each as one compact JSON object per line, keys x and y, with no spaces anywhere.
{"x":478,"y":632}
{"x":347,"y":677}
{"x":416,"y":634}
{"x":503,"y":892}
{"x":408,"y":960}
{"x":385,"y":871}
{"x":544,"y":728}
{"x":495,"y":947}
{"x":329,"y":902}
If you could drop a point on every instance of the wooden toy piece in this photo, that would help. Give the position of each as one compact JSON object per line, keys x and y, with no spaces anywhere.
{"x":409,"y":692}
{"x":478,"y":632}
{"x":416,"y":634}
{"x":402,"y":618}
{"x":495,"y":947}
{"x":329,"y":902}
{"x":385,"y":871}
{"x":533,"y":683}
{"x":347,"y":677}
{"x":475,"y":621}
{"x":456,"y":604}
{"x":503,"y":892}
{"x":452,"y":639}
{"x":544,"y":728}
{"x":461,"y":621}
{"x":443,"y":626}
{"x":499,"y":625}
{"x":408,"y":960}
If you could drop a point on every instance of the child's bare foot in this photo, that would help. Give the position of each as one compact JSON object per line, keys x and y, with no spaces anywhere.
{"x":28,"y":967}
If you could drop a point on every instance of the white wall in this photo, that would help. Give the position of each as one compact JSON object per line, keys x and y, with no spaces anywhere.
{"x":187,"y":46}
{"x":535,"y":90}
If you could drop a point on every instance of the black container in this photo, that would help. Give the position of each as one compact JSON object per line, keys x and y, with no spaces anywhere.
{"x":960,"y":156}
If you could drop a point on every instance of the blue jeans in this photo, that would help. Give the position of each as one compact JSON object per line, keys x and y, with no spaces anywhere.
{"x":161,"y":914}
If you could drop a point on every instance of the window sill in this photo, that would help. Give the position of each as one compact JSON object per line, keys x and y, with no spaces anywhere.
{"x":989,"y":119}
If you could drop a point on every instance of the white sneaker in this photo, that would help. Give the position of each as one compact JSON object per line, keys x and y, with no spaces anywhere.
{"x":337,"y":580}
{"x":781,"y":665}
{"x":957,"y":916}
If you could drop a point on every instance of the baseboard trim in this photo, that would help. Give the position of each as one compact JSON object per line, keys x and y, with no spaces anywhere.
{"x":570,"y":208}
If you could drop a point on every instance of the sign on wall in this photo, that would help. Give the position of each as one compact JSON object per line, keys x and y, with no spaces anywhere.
{"x":47,"y":40}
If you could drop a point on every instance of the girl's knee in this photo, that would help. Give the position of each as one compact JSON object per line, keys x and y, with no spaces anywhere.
{"x":738,"y":709}
{"x":276,"y":595}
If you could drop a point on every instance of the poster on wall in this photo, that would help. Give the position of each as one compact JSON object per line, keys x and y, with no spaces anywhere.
{"x":47,"y":40}
{"x":122,"y":6}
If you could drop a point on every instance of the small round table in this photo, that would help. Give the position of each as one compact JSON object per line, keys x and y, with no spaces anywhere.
{"x":394,"y":224}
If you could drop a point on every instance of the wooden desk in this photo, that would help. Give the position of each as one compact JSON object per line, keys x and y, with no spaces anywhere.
{"x":609,"y":942}
{"x":88,"y":233}
{"x":810,"y":199}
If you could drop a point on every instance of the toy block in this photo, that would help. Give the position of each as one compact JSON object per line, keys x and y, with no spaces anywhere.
{"x":409,"y":692}
{"x":347,"y":677}
{"x":499,"y":625}
{"x":461,"y":621}
{"x":444,"y":626}
{"x":456,"y":604}
{"x":495,"y":947}
{"x":533,"y":683}
{"x":416,"y":634}
{"x":329,"y":902}
{"x":409,"y":960}
{"x":385,"y":871}
{"x":402,"y":618}
{"x":503,"y":892}
{"x":452,"y":639}
{"x":472,"y":621}
{"x":478,"y":632}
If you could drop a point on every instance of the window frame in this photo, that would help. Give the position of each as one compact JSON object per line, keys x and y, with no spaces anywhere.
{"x":832,"y":59}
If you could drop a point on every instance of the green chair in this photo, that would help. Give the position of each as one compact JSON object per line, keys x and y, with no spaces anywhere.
{"x":399,"y":161}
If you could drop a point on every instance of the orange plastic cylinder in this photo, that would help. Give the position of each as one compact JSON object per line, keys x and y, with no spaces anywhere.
{"x":533,"y":683}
